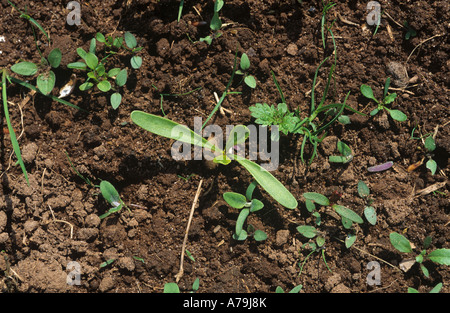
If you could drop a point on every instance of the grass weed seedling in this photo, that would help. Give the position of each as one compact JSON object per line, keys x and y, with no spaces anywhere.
{"x":164,"y":127}
{"x":247,"y":205}
{"x":104,"y":79}
{"x":244,"y":65}
{"x":402,"y":244}
{"x":387,"y":99}
{"x":345,"y":151}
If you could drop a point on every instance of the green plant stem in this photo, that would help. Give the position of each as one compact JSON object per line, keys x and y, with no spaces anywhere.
{"x":12,"y":134}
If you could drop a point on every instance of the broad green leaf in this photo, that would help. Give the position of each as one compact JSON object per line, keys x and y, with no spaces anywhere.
{"x":136,"y":61}
{"x":296,"y":289}
{"x":218,"y":4}
{"x":241,"y":220}
{"x":259,"y":235}
{"x":343,"y":148}
{"x":256,"y":205}
{"x":432,"y":166}
{"x":310,"y":206}
{"x":363,"y":189}
{"x":104,"y":86}
{"x":245,"y":62}
{"x":92,"y":46}
{"x":317,"y":198}
{"x":100,"y":70}
{"x":121,"y":78}
{"x":45,"y":82}
{"x":235,"y":200}
{"x":320,"y":240}
{"x":91,"y":60}
{"x":398,"y":115}
{"x":54,"y":57}
{"x":440,"y":256}
{"x":347,"y":223}
{"x":167,"y":128}
{"x":437,"y":288}
{"x":400,"y":242}
{"x":350,"y":240}
{"x":347,"y":213}
{"x":412,"y":290}
{"x":374,"y":112}
{"x":130,"y":40}
{"x":250,"y":81}
{"x":100,"y":37}
{"x":307,"y":231}
{"x":24,"y":68}
{"x":430,"y":144}
{"x":109,"y":192}
{"x":371,"y":215}
{"x":269,"y":183}
{"x":171,"y":288}
{"x":338,"y":159}
{"x":77,"y":65}
{"x":116,"y":99}
{"x":279,"y":290}
{"x":86,"y":86}
{"x":113,"y":72}
{"x":242,"y":236}
{"x":196,"y":284}
{"x":367,"y":92}
{"x":216,"y":23}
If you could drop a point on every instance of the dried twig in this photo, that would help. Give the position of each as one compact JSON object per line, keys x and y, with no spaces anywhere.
{"x":181,"y":271}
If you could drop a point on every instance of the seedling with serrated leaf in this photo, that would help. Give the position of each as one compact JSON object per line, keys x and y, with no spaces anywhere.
{"x":104,"y":79}
{"x":249,"y":80}
{"x":246,"y":204}
{"x":345,"y":151}
{"x":388,"y":98}
{"x":402,"y":244}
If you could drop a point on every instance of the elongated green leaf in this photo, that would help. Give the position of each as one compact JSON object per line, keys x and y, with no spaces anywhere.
{"x":317,"y":198}
{"x":371,"y":215}
{"x":430,"y":144}
{"x":241,"y":220}
{"x":12,"y":134}
{"x":307,"y":231}
{"x":347,"y":213}
{"x":116,"y":99}
{"x":245,"y":62}
{"x":130,"y":40}
{"x":267,"y":181}
{"x":171,"y":288}
{"x":24,"y":68}
{"x":368,"y":93}
{"x":136,"y":62}
{"x":400,"y":242}
{"x":121,"y":78}
{"x":235,"y":200}
{"x":250,"y":81}
{"x":256,"y":205}
{"x":441,"y":256}
{"x":238,"y":135}
{"x":167,"y":128}
{"x":91,"y":60}
{"x":82,"y":53}
{"x":398,"y":115}
{"x":77,"y":65}
{"x":110,"y":193}
{"x":363,"y":189}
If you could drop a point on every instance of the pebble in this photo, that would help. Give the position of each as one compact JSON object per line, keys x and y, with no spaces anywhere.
{"x":282,"y":237}
{"x":292,"y":49}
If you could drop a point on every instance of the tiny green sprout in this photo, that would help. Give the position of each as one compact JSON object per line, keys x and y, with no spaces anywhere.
{"x":410,"y":32}
{"x":173,"y":287}
{"x":106,"y":263}
{"x":296,"y":289}
{"x":246,"y":204}
{"x":430,"y":146}
{"x":317,"y":246}
{"x":249,"y":80}
{"x":387,"y":99}
{"x":402,"y":244}
{"x":111,"y":195}
{"x":369,"y":211}
{"x":345,"y":151}
{"x":436,"y":289}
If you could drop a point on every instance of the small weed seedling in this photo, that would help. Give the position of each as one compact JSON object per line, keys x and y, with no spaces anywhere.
{"x":249,"y":80}
{"x":173,"y":287}
{"x":46,"y":79}
{"x":387,"y":99}
{"x":410,"y":32}
{"x":296,"y":289}
{"x":246,"y":204}
{"x":97,"y":73}
{"x":347,"y":216}
{"x":167,"y":128}
{"x":345,"y":151}
{"x":369,"y":211}
{"x":402,"y":244}
{"x":430,"y":145}
{"x":436,"y":289}
{"x":215,"y":23}
{"x":317,"y":246}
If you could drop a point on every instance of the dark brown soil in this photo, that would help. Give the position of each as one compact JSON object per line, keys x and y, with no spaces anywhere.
{"x":54,"y":220}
